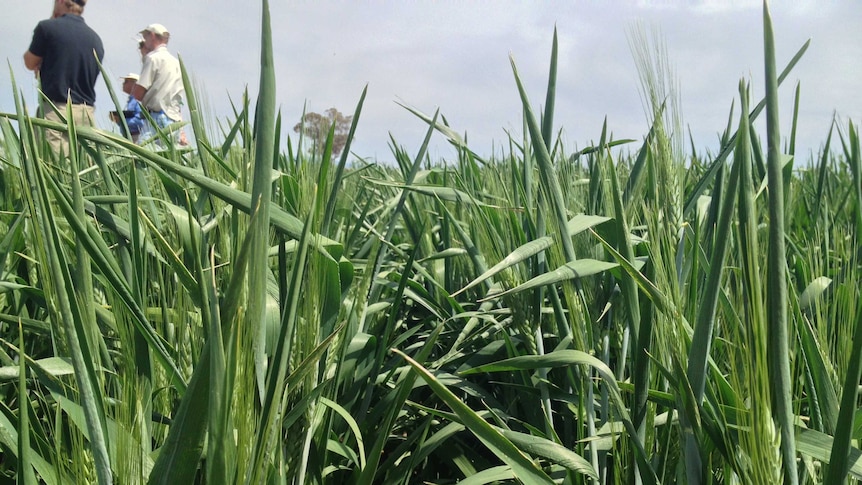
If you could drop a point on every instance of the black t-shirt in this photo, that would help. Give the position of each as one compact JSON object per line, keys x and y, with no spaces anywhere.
{"x":66,"y":46}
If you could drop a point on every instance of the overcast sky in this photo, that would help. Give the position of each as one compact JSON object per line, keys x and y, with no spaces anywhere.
{"x":454,"y":55}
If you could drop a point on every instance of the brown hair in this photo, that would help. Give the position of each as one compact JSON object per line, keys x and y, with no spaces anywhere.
{"x":75,"y":6}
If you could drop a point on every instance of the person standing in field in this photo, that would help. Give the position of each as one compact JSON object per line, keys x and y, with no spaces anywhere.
{"x":65,"y":54}
{"x":132,"y":112}
{"x":160,"y":86}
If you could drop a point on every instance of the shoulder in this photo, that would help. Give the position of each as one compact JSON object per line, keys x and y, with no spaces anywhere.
{"x":47,"y":25}
{"x":43,"y":35}
{"x":162,"y":56}
{"x":65,"y":23}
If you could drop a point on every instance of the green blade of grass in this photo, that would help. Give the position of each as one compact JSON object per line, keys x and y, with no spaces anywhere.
{"x":550,"y":96}
{"x":554,"y":452}
{"x":819,"y":446}
{"x":69,"y":312}
{"x":48,"y":472}
{"x":221,"y":448}
{"x":497,"y":474}
{"x":546,"y":169}
{"x":179,"y":457}
{"x":281,"y":220}
{"x":635,"y":177}
{"x":275,"y":383}
{"x":761,"y":436}
{"x":823,"y":398}
{"x":841,"y":446}
{"x":342,"y":162}
{"x":573,"y":270}
{"x":399,"y":396}
{"x":702,"y":339}
{"x":100,"y":255}
{"x":345,"y":415}
{"x":525,"y":470}
{"x":822,"y":172}
{"x":663,"y":303}
{"x":582,"y":222}
{"x":261,"y":198}
{"x":778,"y":344}
{"x":705,"y":324}
{"x":517,"y":256}
{"x":26,"y":475}
{"x":567,"y":358}
{"x":703,"y":183}
{"x":454,"y":138}
{"x":791,"y":150}
{"x":195,"y":114}
{"x":641,"y":331}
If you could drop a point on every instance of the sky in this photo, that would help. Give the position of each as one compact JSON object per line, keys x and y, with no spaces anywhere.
{"x":454,"y":55}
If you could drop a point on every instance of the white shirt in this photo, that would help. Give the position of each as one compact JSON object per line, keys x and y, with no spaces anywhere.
{"x":163,"y":80}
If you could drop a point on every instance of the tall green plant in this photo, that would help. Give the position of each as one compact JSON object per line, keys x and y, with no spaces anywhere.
{"x":779,"y":334}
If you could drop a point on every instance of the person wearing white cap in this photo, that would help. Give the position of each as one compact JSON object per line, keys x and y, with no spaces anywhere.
{"x":132,"y":113}
{"x":160,"y":85}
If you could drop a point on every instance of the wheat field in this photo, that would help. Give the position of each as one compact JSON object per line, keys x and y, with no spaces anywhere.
{"x":247,"y":312}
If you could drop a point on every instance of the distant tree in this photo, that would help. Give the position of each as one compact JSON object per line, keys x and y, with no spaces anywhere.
{"x":315,"y":127}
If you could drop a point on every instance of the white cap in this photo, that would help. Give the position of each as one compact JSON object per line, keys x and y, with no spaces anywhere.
{"x":157,"y":29}
{"x":130,"y":75}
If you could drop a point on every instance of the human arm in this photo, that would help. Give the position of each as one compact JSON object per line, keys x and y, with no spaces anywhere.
{"x":39,"y":46}
{"x":139,"y":92}
{"x":145,"y":80}
{"x":32,"y":61}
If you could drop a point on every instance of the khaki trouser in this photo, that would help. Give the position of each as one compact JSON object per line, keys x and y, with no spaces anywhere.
{"x":82,"y":114}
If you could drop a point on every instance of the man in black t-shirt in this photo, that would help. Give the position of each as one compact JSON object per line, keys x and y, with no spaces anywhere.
{"x":63,"y":54}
